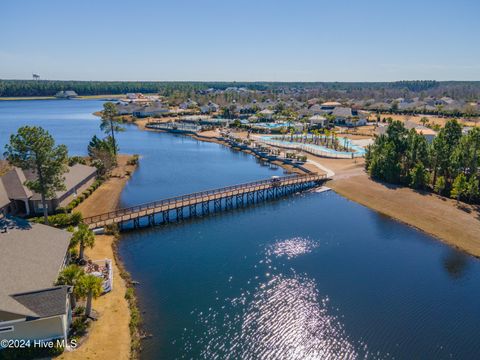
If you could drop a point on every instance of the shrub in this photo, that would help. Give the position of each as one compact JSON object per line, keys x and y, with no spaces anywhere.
{"x":79,"y":310}
{"x":133,"y":160}
{"x":112,"y":229}
{"x":130,"y":294}
{"x":76,"y":218}
{"x":79,"y":326}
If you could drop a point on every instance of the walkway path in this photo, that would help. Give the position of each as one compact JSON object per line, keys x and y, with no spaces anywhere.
{"x":328,"y":171}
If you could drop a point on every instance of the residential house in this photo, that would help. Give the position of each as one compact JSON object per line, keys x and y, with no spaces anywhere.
{"x":31,"y":307}
{"x":25,"y":202}
{"x":189,"y":104}
{"x":69,"y":94}
{"x":426,"y":132}
{"x":209,"y":108}
{"x":317,"y":121}
{"x":329,"y":105}
{"x":154,"y":109}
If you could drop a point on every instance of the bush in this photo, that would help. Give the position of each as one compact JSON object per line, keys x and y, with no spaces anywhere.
{"x":79,"y":310}
{"x":112,"y":229}
{"x":85,"y":194}
{"x":79,"y":326}
{"x":130,"y":294}
{"x":76,"y":218}
{"x":133,"y":160}
{"x":61,"y":220}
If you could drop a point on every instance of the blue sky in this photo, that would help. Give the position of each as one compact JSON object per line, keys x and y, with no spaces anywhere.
{"x":244,"y":40}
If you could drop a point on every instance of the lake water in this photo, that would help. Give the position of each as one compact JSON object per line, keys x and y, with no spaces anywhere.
{"x":313,"y":276}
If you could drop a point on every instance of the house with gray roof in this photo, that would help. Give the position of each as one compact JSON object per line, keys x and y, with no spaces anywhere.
{"x":25,"y":202}
{"x":31,"y":306}
{"x":68,"y":94}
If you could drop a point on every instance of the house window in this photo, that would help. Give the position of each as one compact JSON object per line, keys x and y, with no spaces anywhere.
{"x":6,"y":329}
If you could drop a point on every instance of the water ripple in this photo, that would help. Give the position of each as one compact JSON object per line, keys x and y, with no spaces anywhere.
{"x":284,"y":318}
{"x":291,"y":248}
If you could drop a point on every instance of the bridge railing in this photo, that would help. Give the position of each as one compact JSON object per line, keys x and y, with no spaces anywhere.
{"x":281,"y":181}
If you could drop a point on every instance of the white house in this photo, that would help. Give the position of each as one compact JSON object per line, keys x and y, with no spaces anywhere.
{"x":317,"y":120}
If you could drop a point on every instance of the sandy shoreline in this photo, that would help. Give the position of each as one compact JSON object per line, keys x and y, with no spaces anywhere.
{"x":109,"y":336}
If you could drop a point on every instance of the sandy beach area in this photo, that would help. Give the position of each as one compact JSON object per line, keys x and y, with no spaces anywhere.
{"x":109,"y":336}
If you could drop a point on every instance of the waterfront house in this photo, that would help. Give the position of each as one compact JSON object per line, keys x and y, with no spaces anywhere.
{"x":25,"y":202}
{"x":69,"y":94}
{"x":154,"y":109}
{"x":31,"y":307}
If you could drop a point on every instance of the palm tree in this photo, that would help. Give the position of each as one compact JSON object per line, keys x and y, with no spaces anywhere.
{"x":327,"y":135}
{"x":70,"y":276}
{"x":83,"y":236}
{"x":91,"y":287}
{"x":291,"y":134}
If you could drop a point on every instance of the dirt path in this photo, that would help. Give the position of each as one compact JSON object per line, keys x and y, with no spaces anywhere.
{"x":433,"y":214}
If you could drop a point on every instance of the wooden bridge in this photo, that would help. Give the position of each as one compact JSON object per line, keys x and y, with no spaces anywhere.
{"x":204,"y":202}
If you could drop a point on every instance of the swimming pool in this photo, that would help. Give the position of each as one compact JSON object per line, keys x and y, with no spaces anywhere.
{"x":357,"y":151}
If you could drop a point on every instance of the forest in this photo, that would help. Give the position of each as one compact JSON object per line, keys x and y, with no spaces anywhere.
{"x":449,"y":165}
{"x":462,"y":90}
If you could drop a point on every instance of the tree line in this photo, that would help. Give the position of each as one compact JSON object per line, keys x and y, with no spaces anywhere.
{"x":449,"y":165}
{"x":358,"y":90}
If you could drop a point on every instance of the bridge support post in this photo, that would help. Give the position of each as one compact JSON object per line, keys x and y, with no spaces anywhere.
{"x":166,"y":216}
{"x":250,"y":197}
{"x":260,"y":195}
{"x":179,"y":214}
{"x":151,"y":220}
{"x":217,"y":204}
{"x":239,"y":200}
{"x":270,"y":193}
{"x":136,"y":223}
{"x":228,"y":203}
{"x":192,"y":210}
{"x":205,"y":208}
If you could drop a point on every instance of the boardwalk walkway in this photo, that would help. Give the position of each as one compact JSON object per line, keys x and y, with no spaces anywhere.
{"x":201,"y":203}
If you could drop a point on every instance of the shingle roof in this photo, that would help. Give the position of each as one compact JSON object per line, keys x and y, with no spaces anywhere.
{"x":4,"y":200}
{"x":13,"y":183}
{"x":75,"y":175}
{"x":31,"y":258}
{"x":46,"y":302}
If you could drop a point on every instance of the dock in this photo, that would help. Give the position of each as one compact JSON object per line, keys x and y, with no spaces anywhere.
{"x":204,"y":202}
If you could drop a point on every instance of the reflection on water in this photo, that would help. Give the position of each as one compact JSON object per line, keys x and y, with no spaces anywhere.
{"x":291,"y":248}
{"x":455,"y":263}
{"x":277,"y":315}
